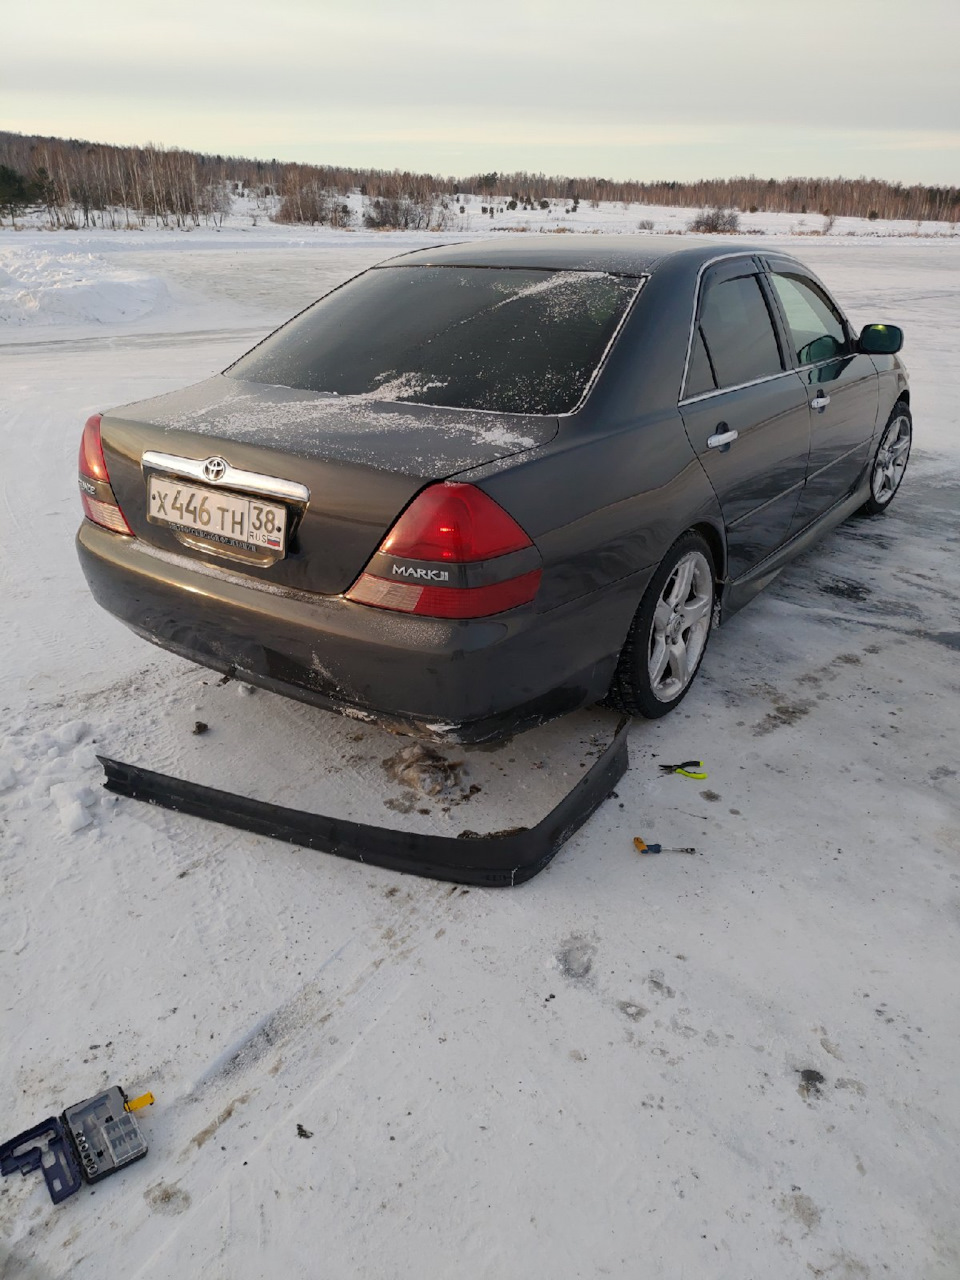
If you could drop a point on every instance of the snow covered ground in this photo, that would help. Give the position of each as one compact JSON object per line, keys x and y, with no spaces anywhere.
{"x":143,"y":278}
{"x":363,"y":1074}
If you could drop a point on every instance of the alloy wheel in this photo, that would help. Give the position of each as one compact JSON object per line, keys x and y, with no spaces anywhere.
{"x":891,"y":460}
{"x":681,"y":624}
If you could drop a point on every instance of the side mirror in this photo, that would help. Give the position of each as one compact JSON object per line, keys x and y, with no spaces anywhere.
{"x":880,"y":339}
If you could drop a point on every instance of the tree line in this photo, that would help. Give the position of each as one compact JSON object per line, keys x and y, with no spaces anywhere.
{"x":832,"y":197}
{"x":83,"y":184}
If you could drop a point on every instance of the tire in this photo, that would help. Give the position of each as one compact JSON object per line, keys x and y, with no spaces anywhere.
{"x":669,"y":633}
{"x":890,"y":460}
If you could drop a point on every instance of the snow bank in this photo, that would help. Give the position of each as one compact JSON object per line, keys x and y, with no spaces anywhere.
{"x":42,"y":288}
{"x":51,"y":768}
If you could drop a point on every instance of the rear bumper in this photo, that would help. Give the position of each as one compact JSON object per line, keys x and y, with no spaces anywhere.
{"x":455,"y":681}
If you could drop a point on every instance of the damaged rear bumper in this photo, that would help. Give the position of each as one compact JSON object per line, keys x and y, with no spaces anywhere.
{"x":446,"y":681}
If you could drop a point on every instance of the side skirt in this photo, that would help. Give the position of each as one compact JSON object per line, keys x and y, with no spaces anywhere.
{"x":740,"y":592}
{"x":498,"y":860}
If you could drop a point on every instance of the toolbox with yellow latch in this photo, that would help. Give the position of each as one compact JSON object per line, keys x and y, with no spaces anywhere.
{"x":87,"y":1142}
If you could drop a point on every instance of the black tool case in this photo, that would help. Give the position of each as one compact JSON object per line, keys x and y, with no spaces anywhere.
{"x":104,"y":1134}
{"x":88,"y":1142}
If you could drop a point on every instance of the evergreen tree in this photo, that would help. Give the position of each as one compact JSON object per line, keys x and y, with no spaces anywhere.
{"x":14,"y":192}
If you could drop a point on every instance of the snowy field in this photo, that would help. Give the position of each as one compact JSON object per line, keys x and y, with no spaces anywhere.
{"x":361,"y":1074}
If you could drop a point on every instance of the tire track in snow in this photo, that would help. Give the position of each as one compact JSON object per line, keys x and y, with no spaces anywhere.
{"x":294,"y":1078}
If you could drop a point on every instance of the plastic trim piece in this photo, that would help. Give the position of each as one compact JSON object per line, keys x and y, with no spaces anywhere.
{"x":493,"y":861}
{"x":229,"y":478}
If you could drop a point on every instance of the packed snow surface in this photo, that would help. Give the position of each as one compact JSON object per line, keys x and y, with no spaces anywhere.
{"x":735,"y":1064}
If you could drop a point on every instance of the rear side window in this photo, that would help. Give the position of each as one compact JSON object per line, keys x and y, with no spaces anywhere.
{"x":737,"y":332}
{"x":700,"y":375}
{"x":817,"y":330}
{"x":511,"y":340}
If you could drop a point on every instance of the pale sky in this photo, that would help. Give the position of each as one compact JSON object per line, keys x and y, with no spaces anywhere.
{"x":675,"y":89}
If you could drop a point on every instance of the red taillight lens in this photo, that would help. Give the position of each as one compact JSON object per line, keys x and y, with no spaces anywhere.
{"x":454,"y":522}
{"x":449,"y":525}
{"x":96,"y":494}
{"x":90,"y":462}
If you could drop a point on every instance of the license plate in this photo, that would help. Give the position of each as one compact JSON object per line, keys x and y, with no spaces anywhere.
{"x":219,"y":517}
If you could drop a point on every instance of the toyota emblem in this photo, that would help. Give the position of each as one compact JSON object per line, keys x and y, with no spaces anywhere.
{"x":214,"y":469}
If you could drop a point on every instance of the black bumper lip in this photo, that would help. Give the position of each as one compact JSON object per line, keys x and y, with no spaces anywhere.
{"x":499,"y":860}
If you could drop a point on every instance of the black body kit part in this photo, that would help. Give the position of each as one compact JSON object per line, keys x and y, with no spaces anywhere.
{"x":493,"y":861}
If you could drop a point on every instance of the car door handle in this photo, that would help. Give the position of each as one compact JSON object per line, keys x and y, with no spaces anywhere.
{"x":819,"y":402}
{"x":722,"y":438}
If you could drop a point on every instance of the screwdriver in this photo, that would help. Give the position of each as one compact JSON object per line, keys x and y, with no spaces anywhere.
{"x":642,"y":847}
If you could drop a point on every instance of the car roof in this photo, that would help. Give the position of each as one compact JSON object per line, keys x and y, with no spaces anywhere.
{"x":619,"y":254}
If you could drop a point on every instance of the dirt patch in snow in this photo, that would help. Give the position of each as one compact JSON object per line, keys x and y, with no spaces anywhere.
{"x":575,"y":957}
{"x":783,"y":713}
{"x":424,"y":771}
{"x":810,"y":1084}
{"x":845,"y":589}
{"x":204,"y":1135}
{"x":167,"y":1198}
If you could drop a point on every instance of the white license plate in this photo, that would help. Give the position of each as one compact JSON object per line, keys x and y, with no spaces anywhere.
{"x":220,"y":517}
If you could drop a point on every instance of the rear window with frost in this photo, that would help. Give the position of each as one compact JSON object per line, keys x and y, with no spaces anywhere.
{"x":511,"y":340}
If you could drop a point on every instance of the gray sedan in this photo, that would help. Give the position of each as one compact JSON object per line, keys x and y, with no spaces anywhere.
{"x":481,"y":485}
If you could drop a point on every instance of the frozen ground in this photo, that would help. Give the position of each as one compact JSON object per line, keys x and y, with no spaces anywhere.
{"x":598,"y":1074}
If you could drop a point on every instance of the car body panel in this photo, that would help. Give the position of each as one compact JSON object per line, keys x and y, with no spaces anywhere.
{"x":843,"y":393}
{"x":740,"y":592}
{"x":757,"y":478}
{"x":362,"y":463}
{"x":840,"y":433}
{"x":893,"y":385}
{"x":632,"y":255}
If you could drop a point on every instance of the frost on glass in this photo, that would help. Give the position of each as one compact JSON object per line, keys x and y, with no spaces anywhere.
{"x":508,"y":340}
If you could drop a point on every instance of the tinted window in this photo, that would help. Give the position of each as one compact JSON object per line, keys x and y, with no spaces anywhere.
{"x":817,"y":330}
{"x":738,"y":332}
{"x":518,"y":341}
{"x":700,"y":375}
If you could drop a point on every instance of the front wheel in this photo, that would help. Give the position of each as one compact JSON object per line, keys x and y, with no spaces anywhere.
{"x":668,"y":635}
{"x":890,"y":460}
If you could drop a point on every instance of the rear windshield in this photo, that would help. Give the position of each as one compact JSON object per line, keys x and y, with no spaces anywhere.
{"x":515,"y":341}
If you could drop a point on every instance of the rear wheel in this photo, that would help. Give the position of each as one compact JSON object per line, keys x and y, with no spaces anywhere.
{"x":668,"y":635}
{"x":890,"y":460}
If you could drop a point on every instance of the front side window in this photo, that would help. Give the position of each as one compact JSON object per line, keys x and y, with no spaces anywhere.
{"x":817,"y":330}
{"x":514,"y":340}
{"x":737,"y":332}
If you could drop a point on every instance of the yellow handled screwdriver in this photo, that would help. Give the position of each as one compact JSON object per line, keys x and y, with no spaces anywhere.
{"x":642,"y":847}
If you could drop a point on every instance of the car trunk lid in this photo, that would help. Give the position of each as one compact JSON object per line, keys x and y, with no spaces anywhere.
{"x":344,"y":467}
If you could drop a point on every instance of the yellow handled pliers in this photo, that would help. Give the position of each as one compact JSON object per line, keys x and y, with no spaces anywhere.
{"x":686,"y":769}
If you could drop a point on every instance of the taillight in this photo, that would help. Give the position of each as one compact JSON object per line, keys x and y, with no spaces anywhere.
{"x":454,"y":553}
{"x":454,"y":522}
{"x":96,"y":493}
